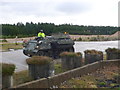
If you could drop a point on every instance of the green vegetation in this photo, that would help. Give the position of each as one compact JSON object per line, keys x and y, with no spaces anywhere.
{"x":41,"y":60}
{"x":31,"y":29}
{"x":83,"y":82}
{"x":7,"y":46}
{"x":58,"y":68}
{"x":102,"y":83}
{"x":70,"y":54}
{"x":7,"y":69}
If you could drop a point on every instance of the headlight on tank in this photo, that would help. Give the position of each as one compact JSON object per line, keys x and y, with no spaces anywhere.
{"x":40,"y":42}
{"x":37,"y":47}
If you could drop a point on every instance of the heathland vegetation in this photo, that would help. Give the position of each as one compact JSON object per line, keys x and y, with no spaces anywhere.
{"x":31,"y":29}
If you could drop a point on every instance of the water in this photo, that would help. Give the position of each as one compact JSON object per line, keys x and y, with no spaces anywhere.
{"x":19,"y":59}
{"x":101,"y":45}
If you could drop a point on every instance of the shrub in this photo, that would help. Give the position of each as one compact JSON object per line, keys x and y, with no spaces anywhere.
{"x":70,"y":54}
{"x":41,"y":60}
{"x":7,"y":69}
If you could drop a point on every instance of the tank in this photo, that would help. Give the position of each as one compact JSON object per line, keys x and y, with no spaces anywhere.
{"x":50,"y":46}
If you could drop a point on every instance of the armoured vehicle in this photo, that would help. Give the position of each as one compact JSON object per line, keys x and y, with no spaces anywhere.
{"x":50,"y":46}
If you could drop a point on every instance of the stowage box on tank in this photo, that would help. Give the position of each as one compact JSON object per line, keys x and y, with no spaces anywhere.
{"x":49,"y":46}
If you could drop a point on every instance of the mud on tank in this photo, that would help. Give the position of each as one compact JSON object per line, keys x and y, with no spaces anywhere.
{"x":50,"y":46}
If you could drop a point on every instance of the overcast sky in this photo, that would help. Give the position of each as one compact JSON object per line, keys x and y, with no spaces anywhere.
{"x":80,"y":12}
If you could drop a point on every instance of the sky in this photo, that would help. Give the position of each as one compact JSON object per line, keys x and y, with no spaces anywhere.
{"x":76,"y":12}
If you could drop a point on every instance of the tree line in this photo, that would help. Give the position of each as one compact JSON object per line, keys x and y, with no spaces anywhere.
{"x":31,"y":29}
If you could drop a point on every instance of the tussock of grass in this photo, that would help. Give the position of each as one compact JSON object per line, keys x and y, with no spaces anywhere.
{"x":93,"y":52}
{"x":7,"y":69}
{"x":70,"y":54}
{"x":113,"y":50}
{"x":41,"y":60}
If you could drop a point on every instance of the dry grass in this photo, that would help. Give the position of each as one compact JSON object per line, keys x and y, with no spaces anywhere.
{"x":7,"y":69}
{"x":41,"y":60}
{"x":115,"y":50}
{"x":93,"y":52}
{"x":70,"y":54}
{"x":95,"y":79}
{"x":7,"y":46}
{"x":21,"y":77}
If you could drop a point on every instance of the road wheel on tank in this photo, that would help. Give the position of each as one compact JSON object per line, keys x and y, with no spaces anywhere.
{"x":41,"y":53}
{"x":71,"y":49}
{"x":55,"y":54}
{"x":49,"y":53}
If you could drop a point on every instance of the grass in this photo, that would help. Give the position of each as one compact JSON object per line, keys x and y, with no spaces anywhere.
{"x":21,"y":77}
{"x":102,"y":78}
{"x":83,"y":82}
{"x":7,"y":46}
{"x":93,"y":52}
{"x":58,"y":68}
{"x":39,"y":60}
{"x":70,"y":54}
{"x":7,"y":69}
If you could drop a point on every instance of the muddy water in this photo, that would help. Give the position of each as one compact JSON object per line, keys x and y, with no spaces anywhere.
{"x":18,"y":58}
